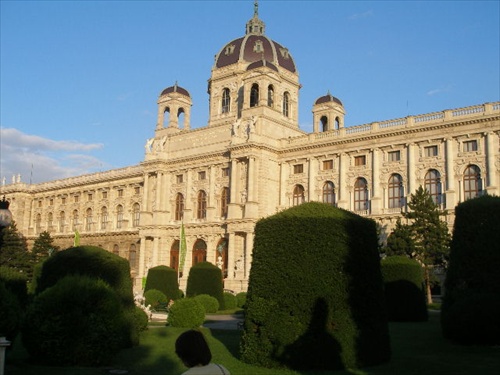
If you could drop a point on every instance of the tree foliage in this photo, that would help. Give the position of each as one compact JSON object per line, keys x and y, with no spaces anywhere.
{"x":43,"y":246}
{"x":14,"y":250}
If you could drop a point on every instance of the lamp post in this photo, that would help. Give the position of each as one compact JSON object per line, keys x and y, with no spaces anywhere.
{"x":5,"y":221}
{"x":5,"y":214}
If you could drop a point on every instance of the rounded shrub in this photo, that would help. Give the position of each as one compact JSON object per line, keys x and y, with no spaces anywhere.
{"x":206,"y":278}
{"x":471,"y":302}
{"x":154,"y":297}
{"x":78,"y":321}
{"x":16,"y":282}
{"x":10,"y":313}
{"x":324,"y":307}
{"x":209,"y":303}
{"x":186,"y":313}
{"x":241,"y":299}
{"x":165,"y":280}
{"x":404,"y":289}
{"x":229,"y":301}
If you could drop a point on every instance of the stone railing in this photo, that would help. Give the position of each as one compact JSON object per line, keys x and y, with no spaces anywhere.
{"x":410,"y":121}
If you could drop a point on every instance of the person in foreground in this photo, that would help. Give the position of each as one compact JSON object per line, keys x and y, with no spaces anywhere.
{"x":192,"y":348}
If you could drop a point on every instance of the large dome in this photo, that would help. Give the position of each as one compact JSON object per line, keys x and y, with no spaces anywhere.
{"x":255,"y":46}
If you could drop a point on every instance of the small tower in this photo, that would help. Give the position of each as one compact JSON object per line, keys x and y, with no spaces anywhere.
{"x":328,"y":114}
{"x":175,"y":101}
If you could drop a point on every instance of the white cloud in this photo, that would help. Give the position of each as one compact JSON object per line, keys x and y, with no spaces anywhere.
{"x":358,"y":16}
{"x":39,"y":159}
{"x":438,"y":90}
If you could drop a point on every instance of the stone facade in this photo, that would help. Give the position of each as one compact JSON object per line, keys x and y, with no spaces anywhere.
{"x":251,"y":161}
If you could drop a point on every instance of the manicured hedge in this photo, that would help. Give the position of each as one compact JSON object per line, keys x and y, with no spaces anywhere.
{"x":165,"y":280}
{"x":471,"y":303}
{"x":155,"y":298}
{"x":206,"y":278}
{"x":315,"y":297}
{"x":78,"y":321}
{"x":229,"y":301}
{"x":404,"y":289}
{"x":186,"y":313}
{"x":209,"y":303}
{"x":91,"y":261}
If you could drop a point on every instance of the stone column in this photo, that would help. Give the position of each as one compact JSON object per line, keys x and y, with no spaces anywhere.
{"x":411,"y":170}
{"x":450,"y":178}
{"x":343,"y":196}
{"x":491,"y":172}
{"x":145,"y":196}
{"x":142,"y":257}
{"x":250,"y":179}
{"x":248,"y":254}
{"x":312,"y":174}
{"x":154,"y":257}
{"x":233,"y":181}
{"x":231,"y":255}
{"x":282,"y":184}
{"x":375,"y":204}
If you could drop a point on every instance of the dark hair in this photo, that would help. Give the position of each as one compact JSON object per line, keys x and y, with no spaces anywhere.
{"x":192,"y":348}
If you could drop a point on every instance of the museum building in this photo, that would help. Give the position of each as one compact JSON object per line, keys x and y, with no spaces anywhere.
{"x":252,"y":160}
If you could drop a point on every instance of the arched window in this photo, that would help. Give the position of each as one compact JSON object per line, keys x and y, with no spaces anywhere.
{"x":174,"y":255}
{"x":298,"y":195}
{"x":166,"y":116}
{"x":254,"y":95}
{"x":226,"y":101}
{"x":360,"y":195}
{"x":199,"y":252}
{"x":270,"y":96}
{"x":395,"y":191}
{"x":136,"y":213}
{"x":472,"y":182}
{"x":116,"y":249}
{"x":337,"y":123}
{"x":119,"y":216}
{"x":38,"y":223}
{"x":324,"y":123}
{"x":202,"y":205}
{"x":104,"y":218}
{"x":62,"y":221}
{"x":329,"y":193}
{"x":88,"y":220}
{"x":432,"y":183}
{"x":132,"y":257}
{"x":286,"y":104}
{"x":180,"y":118}
{"x":75,"y":220}
{"x":224,"y":201}
{"x":179,"y":206}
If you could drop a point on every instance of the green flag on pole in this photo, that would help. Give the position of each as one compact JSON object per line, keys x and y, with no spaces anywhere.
{"x":76,"y":241}
{"x":182,"y":249}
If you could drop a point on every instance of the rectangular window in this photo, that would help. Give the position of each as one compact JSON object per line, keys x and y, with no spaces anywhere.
{"x":89,"y":197}
{"x":202,"y":175}
{"x":39,"y":203}
{"x":51,"y":202}
{"x":298,"y":168}
{"x":76,"y":198}
{"x":225,"y":172}
{"x":104,"y":195}
{"x":63,"y":200}
{"x":120,"y":193}
{"x":327,"y":165}
{"x":137,"y":190}
{"x":394,"y":156}
{"x":430,"y":151}
{"x":470,"y":146}
{"x":360,"y":160}
{"x":179,"y":178}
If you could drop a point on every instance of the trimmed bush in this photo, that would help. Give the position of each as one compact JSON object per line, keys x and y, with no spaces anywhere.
{"x":471,"y":302}
{"x":10,"y":313}
{"x":186,"y":313}
{"x":78,"y":321}
{"x":241,"y":299}
{"x":209,"y":303}
{"x":206,"y":278}
{"x":141,"y":319}
{"x":229,"y":301}
{"x":91,"y":261}
{"x":165,"y":280}
{"x":154,"y":298}
{"x":315,"y":298}
{"x":16,"y":282}
{"x":404,"y":289}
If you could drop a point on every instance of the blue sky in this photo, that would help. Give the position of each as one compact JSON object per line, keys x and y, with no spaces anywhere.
{"x":79,"y":80}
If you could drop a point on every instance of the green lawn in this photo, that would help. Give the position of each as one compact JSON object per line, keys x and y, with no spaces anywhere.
{"x":418,"y":348}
